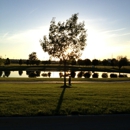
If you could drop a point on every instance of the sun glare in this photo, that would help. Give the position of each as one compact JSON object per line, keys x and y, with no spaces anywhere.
{"x":96,"y":46}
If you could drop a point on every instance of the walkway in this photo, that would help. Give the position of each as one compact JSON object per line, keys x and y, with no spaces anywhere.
{"x":90,"y":122}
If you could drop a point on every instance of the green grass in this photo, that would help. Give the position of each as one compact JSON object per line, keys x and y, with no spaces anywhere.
{"x":27,"y":99}
{"x":9,"y":79}
{"x":57,"y":67}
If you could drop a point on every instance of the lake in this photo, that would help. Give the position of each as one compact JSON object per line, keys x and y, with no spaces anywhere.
{"x":44,"y":74}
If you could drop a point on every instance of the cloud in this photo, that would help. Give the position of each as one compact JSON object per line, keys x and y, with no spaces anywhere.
{"x":5,"y":34}
{"x":22,"y":43}
{"x":114,"y":33}
{"x":95,"y":19}
{"x":115,"y":30}
{"x":32,"y":11}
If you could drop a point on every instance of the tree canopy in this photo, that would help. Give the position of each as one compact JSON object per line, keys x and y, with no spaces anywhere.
{"x":66,"y":40}
{"x":122,"y":61}
{"x":33,"y":56}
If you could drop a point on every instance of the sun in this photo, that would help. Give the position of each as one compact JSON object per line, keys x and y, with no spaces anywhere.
{"x":96,"y":46}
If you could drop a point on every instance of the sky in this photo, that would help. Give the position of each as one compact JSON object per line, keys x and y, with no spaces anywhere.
{"x":24,"y":22}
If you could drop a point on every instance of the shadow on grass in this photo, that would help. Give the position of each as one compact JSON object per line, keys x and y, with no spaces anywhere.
{"x":57,"y":111}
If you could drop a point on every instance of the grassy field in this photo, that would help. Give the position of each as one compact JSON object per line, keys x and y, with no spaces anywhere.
{"x":61,"y":79}
{"x":57,"y":67}
{"x":27,"y":99}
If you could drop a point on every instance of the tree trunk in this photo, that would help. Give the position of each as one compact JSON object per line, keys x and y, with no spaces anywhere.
{"x":64,"y":73}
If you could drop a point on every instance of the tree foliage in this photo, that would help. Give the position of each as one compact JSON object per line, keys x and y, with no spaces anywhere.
{"x":33,"y":59}
{"x":20,"y":62}
{"x":87,"y":62}
{"x":122,"y":61}
{"x":1,"y":60}
{"x":7,"y":61}
{"x":33,"y":56}
{"x":66,"y":40}
{"x":105,"y":62}
{"x":114,"y":62}
{"x":95,"y":62}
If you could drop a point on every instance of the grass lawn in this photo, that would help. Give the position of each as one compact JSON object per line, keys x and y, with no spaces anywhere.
{"x":27,"y":99}
{"x":62,"y":79}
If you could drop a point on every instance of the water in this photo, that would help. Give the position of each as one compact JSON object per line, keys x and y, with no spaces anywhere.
{"x":54,"y":74}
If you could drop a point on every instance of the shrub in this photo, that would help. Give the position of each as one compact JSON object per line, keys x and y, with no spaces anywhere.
{"x":113,"y":75}
{"x":80,"y":74}
{"x":104,"y":75}
{"x":122,"y":75}
{"x":87,"y":74}
{"x":95,"y":75}
{"x":73,"y":74}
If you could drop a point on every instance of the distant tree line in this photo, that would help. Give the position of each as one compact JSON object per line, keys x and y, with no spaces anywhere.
{"x":119,"y":62}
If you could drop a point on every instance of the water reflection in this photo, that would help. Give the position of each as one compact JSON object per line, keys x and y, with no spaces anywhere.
{"x":6,"y":73}
{"x":1,"y":73}
{"x":20,"y":72}
{"x":45,"y":74}
{"x":33,"y":73}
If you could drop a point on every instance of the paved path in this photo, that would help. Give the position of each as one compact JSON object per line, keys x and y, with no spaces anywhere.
{"x":90,"y":122}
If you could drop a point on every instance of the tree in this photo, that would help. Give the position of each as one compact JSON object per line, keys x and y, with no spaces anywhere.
{"x":33,"y":58}
{"x":105,"y":62}
{"x":20,"y":62}
{"x":80,"y":62}
{"x":73,"y":62}
{"x":87,"y":62}
{"x":95,"y":62}
{"x":122,"y":61}
{"x":7,"y":61}
{"x":66,"y":40}
{"x":1,"y":60}
{"x":114,"y":62}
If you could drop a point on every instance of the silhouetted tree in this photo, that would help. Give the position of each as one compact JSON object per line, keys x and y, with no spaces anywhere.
{"x":60,"y":62}
{"x":122,"y":61}
{"x":95,"y":62}
{"x":33,"y":58}
{"x":20,"y":62}
{"x":73,"y":62}
{"x":27,"y":62}
{"x":66,"y":40}
{"x":87,"y":62}
{"x":114,"y":62}
{"x":37,"y":62}
{"x":80,"y":62}
{"x":7,"y":61}
{"x":1,"y":60}
{"x":105,"y":62}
